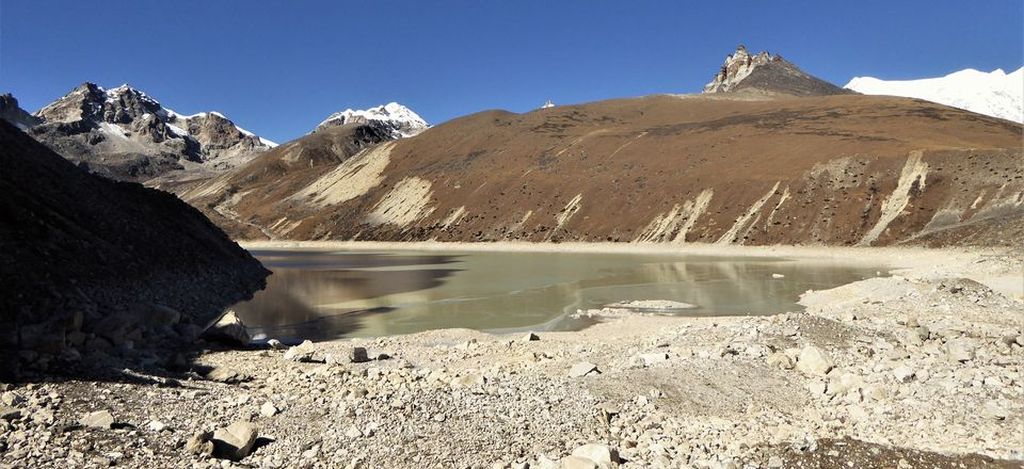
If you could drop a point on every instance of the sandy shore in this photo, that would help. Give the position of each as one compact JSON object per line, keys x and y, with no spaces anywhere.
{"x":921,"y":369}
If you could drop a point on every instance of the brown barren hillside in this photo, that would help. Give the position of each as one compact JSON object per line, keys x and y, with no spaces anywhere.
{"x":842,"y":169}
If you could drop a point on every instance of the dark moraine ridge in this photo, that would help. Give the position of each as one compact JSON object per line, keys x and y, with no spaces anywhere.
{"x":89,"y":265}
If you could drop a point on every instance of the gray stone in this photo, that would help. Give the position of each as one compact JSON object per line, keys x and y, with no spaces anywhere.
{"x":358,"y":355}
{"x":530,"y":337}
{"x":156,"y":426}
{"x":235,"y":441}
{"x":99,"y":419}
{"x":583,"y":369}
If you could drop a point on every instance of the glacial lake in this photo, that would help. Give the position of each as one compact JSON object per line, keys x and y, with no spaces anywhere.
{"x":328,"y":294}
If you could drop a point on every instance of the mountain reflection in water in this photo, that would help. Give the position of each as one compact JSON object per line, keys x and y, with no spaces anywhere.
{"x":326,"y":294}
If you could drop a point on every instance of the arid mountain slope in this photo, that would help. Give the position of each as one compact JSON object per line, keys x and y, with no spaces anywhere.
{"x":727,"y":168}
{"x":92,"y":265}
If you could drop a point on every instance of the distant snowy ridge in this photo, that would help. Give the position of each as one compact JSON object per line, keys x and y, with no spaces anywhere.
{"x":996,"y":93}
{"x":401,"y":121}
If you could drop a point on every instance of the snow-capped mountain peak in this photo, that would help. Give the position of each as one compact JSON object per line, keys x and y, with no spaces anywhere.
{"x":995,"y":93}
{"x":400,"y":121}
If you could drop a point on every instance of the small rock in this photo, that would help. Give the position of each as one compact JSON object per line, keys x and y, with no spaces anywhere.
{"x":649,"y":359}
{"x":358,"y":355}
{"x":200,"y":444}
{"x":302,"y":353}
{"x":994,"y":411}
{"x":774,"y":462}
{"x":99,"y":419}
{"x":9,"y":413}
{"x":813,"y":361}
{"x":780,"y":360}
{"x":223,"y":374}
{"x":276,"y":344}
{"x":235,"y":441}
{"x":576,"y":462}
{"x":11,"y":398}
{"x":903,"y":374}
{"x":156,"y":426}
{"x":268,"y":409}
{"x":530,"y":337}
{"x":583,"y":369}
{"x":353,"y":432}
{"x":960,"y":350}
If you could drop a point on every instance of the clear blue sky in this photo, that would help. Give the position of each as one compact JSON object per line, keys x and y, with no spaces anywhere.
{"x":279,"y":67}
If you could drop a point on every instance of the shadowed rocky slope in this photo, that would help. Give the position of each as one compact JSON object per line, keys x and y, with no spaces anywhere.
{"x":89,"y":265}
{"x":714,"y":168}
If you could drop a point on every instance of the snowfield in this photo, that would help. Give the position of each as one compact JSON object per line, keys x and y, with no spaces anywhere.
{"x":995,"y":93}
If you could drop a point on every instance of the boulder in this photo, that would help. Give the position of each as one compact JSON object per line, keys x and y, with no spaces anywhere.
{"x":229,"y":329}
{"x":9,"y":413}
{"x":235,"y":441}
{"x":603,"y":455}
{"x":649,"y":359}
{"x":199,"y":444}
{"x":813,"y":361}
{"x":994,"y":411}
{"x":530,"y":337}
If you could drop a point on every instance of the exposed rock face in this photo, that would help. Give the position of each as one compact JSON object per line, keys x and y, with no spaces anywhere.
{"x":91,"y":265}
{"x":396,"y":120}
{"x":124,"y":134}
{"x":766,"y":73}
{"x":11,"y":112}
{"x":722,"y":168}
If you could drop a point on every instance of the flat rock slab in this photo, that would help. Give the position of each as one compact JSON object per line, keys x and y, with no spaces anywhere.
{"x":99,"y":419}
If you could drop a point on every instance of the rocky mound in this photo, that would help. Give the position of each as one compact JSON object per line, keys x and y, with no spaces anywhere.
{"x":124,"y":134}
{"x":93,"y":266}
{"x":712,"y":168}
{"x":767,"y":73}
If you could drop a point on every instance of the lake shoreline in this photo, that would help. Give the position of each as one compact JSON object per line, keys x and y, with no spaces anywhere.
{"x":924,"y":366}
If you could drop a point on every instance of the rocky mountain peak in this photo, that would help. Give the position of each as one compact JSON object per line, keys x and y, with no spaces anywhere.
{"x":737,"y":66}
{"x":395,"y":119}
{"x":124,"y":133}
{"x":765,"y":73}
